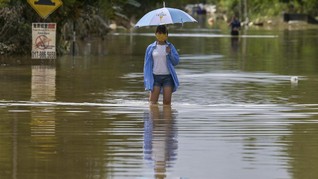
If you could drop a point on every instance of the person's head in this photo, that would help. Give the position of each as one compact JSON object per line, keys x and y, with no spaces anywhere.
{"x":235,"y":17}
{"x":161,"y":33}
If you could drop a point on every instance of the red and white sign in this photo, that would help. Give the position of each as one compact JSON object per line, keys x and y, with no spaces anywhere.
{"x":43,"y":41}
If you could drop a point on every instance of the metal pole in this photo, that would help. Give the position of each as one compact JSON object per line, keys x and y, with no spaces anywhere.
{"x":74,"y":38}
{"x":245,"y":11}
{"x":240,"y":10}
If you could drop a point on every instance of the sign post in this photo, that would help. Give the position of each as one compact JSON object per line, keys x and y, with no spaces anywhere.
{"x":44,"y":34}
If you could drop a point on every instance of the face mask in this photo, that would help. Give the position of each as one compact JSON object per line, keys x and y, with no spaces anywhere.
{"x":161,"y":37}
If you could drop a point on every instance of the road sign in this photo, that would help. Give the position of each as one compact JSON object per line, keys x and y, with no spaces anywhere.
{"x":45,"y":7}
{"x":43,"y":41}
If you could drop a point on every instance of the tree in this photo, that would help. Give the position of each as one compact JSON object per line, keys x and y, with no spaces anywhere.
{"x":89,"y":16}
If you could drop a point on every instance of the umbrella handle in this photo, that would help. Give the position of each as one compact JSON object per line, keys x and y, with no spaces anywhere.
{"x":164,"y":4}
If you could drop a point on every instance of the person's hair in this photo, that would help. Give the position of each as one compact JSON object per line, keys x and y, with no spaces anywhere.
{"x":162,"y":29}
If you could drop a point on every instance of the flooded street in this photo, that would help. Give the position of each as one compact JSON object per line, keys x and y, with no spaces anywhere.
{"x":246,"y":108}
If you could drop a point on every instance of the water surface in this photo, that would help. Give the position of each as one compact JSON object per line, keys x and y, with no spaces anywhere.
{"x":237,"y":113}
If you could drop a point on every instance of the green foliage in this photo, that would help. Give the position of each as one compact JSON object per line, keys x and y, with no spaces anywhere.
{"x":261,"y":8}
{"x":88,"y":16}
{"x":3,"y":3}
{"x":14,"y":29}
{"x":311,"y":6}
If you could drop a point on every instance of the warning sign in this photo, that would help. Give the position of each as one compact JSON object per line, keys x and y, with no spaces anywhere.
{"x":45,"y":7}
{"x":43,"y":41}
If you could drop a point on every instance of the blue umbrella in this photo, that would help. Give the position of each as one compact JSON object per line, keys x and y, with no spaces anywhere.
{"x":164,"y":16}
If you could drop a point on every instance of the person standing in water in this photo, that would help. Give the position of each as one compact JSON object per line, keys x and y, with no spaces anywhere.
{"x":160,"y":75}
{"x":235,"y":25}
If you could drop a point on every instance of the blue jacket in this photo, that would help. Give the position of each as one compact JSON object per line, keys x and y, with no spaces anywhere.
{"x":172,"y":60}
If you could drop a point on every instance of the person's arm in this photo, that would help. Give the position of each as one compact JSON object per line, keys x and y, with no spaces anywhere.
{"x":147,"y":69}
{"x":173,"y":55}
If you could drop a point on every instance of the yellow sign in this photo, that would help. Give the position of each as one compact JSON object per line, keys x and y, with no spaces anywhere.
{"x":45,"y":7}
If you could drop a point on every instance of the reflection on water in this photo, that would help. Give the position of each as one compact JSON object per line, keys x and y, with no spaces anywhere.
{"x":43,"y":83}
{"x":43,"y":129}
{"x":234,"y":43}
{"x":239,"y":110}
{"x":160,"y":139}
{"x":42,"y":123}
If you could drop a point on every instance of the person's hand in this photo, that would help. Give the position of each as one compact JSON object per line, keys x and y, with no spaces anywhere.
{"x":168,"y":49}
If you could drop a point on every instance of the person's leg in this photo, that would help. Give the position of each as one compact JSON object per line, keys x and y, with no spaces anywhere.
{"x":154,"y":95}
{"x":167,"y":95}
{"x":154,"y":111}
{"x":167,"y":112}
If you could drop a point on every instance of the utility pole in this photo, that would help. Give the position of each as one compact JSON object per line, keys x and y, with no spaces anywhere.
{"x":245,"y":12}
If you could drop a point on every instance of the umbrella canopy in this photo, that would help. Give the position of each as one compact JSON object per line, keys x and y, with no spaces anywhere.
{"x":164,"y":16}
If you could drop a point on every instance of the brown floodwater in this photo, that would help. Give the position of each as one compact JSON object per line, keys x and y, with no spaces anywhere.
{"x":246,"y":108}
